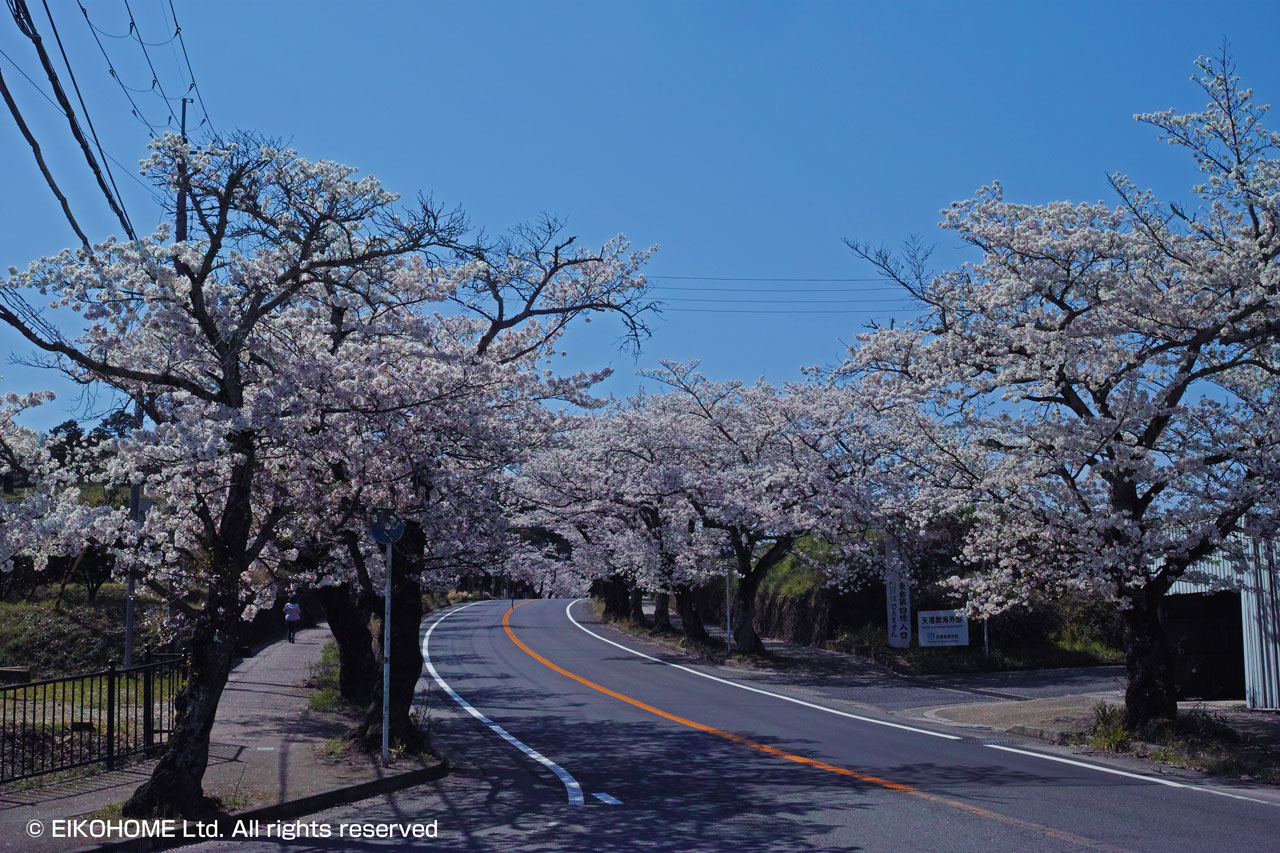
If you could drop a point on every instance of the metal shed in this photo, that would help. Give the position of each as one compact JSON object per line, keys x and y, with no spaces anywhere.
{"x":1248,"y":566}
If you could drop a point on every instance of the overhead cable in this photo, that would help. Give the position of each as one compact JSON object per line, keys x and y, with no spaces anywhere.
{"x":747,"y":278}
{"x":22,"y":16}
{"x":119,"y":199}
{"x":191,"y":75}
{"x":111,"y":69}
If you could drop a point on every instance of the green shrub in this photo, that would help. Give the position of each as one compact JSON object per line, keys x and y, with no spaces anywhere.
{"x":1108,"y":732}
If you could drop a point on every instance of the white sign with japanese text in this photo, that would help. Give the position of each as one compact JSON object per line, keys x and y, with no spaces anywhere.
{"x":943,"y":628}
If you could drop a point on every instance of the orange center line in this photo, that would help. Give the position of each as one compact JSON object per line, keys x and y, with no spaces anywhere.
{"x":1048,"y":831}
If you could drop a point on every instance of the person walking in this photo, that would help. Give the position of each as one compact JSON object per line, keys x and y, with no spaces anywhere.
{"x":292,"y":617}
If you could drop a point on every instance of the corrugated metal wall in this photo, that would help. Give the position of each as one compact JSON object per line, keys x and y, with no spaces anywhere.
{"x":1260,"y":612}
{"x":1259,"y":587}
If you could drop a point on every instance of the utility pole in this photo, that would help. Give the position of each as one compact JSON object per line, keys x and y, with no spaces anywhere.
{"x":181,"y":224}
{"x":135,"y":515}
{"x":728,"y":618}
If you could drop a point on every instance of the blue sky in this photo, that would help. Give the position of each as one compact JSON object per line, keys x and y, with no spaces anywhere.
{"x":746,"y":138}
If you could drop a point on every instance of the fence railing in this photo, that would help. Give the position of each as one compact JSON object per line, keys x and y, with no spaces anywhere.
{"x":60,"y":723}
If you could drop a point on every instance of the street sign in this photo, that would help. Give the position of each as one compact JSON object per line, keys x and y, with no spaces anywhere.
{"x":387,"y":527}
{"x":943,"y":628}
{"x":897,"y":587}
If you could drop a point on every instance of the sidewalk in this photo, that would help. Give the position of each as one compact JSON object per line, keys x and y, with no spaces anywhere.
{"x":264,"y":756}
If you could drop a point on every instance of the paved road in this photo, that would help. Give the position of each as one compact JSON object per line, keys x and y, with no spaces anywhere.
{"x":689,"y":763}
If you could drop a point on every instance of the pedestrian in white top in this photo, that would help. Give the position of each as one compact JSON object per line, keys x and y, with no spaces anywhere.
{"x":292,"y":617}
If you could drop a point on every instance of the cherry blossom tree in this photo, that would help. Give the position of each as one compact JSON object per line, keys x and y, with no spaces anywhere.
{"x":251,"y":341}
{"x":49,"y":518}
{"x":430,"y":442}
{"x":675,"y":477}
{"x":1099,"y":388}
{"x":610,"y":486}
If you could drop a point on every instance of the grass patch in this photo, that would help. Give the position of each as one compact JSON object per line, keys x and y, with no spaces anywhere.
{"x":79,"y":637}
{"x":872,"y":641}
{"x":335,"y":747}
{"x":325,"y":699}
{"x":324,"y":673}
{"x":115,"y":811}
{"x":324,"y":676}
{"x":1195,"y":740}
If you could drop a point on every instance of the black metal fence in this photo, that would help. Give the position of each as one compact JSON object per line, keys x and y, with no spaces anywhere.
{"x":100,"y":717}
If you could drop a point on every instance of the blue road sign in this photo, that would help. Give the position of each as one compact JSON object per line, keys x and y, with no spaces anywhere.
{"x":386,"y":527}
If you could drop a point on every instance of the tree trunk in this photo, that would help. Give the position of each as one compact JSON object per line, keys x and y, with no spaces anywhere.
{"x":406,"y":651}
{"x":616,"y":600}
{"x":661,"y":612}
{"x":174,"y":789}
{"x":635,"y":606}
{"x":745,"y":639}
{"x":1151,"y":694}
{"x":690,"y":618}
{"x":358,"y":670}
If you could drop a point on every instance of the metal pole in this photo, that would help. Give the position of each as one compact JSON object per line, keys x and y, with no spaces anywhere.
{"x":986,"y":651}
{"x":182,"y":183}
{"x":111,"y":715}
{"x":135,"y":515}
{"x":728,"y":619}
{"x":386,"y":662}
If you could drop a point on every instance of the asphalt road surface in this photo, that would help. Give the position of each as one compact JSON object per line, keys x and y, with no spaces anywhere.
{"x":577,"y":743}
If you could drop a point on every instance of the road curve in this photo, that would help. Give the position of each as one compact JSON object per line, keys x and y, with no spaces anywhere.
{"x":665,"y":759}
{"x":712,"y":763}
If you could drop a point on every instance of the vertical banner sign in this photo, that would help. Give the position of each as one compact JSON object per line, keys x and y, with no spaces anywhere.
{"x":897,"y":584}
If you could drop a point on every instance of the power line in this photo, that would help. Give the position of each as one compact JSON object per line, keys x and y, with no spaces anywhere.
{"x":119,"y":199}
{"x":191,"y":75}
{"x":785,"y":301}
{"x":26,"y":24}
{"x":138,"y":37}
{"x":34,"y":84}
{"x":155,"y":76}
{"x":111,"y":69}
{"x":44,"y":167}
{"x":776,"y":289}
{"x":746,"y":278}
{"x":768,"y":311}
{"x":127,"y":170}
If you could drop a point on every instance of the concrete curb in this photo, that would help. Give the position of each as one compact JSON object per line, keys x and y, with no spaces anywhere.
{"x":292,"y":809}
{"x":1050,"y":735}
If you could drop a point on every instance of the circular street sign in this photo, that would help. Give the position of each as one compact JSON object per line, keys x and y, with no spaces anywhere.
{"x":386,"y":527}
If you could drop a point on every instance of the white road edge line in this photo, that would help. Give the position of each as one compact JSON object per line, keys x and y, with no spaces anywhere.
{"x":571,"y":786}
{"x":1115,"y":772}
{"x":606,"y":798}
{"x":755,"y":689}
{"x":1045,"y":756}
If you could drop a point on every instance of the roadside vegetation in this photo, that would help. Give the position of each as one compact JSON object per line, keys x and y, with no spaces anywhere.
{"x":77,"y":636}
{"x":797,"y":605}
{"x":1196,"y":739}
{"x":323,"y":677}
